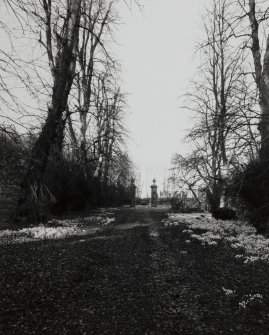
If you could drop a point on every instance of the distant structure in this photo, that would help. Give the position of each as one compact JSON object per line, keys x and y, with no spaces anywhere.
{"x":133,"y":192}
{"x":154,"y":194}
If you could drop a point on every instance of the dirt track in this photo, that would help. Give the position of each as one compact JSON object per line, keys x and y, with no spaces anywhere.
{"x":134,"y":277}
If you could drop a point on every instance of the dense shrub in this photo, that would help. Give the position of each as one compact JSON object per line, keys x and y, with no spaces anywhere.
{"x":224,"y":213}
{"x":145,"y":201}
{"x":178,"y":204}
{"x":66,"y":184}
{"x":164,"y":201}
{"x":75,"y":189}
{"x":142,"y":201}
{"x":182,"y":204}
{"x":12,"y":156}
{"x":251,"y":183}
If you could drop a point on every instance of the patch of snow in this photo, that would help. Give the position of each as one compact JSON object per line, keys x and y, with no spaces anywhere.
{"x":210,"y":231}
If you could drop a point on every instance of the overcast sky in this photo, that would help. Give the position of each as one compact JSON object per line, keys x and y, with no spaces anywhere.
{"x":156,"y":51}
{"x":156,"y":46}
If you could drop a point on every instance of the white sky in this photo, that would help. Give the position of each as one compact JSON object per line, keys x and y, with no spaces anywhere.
{"x":157,"y":55}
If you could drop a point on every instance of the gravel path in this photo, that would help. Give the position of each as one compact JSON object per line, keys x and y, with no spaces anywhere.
{"x":134,"y":277}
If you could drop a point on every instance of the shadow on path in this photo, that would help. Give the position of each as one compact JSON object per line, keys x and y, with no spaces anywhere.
{"x":135,"y":277}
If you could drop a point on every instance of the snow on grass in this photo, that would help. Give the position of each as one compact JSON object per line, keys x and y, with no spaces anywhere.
{"x":94,"y":219}
{"x":40,"y":232}
{"x":250,"y":299}
{"x":210,"y":231}
{"x":60,"y":229}
{"x":228,"y":291}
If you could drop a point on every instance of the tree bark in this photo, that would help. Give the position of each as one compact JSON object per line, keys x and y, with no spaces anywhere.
{"x":63,"y":79}
{"x":262,"y":80}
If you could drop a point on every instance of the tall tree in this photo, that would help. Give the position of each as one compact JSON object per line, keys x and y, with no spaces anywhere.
{"x":95,"y":23}
{"x":261,"y":74}
{"x":222,"y":100}
{"x":64,"y":32}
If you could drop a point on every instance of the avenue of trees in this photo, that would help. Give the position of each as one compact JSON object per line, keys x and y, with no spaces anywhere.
{"x":229,"y":98}
{"x":62,"y":108}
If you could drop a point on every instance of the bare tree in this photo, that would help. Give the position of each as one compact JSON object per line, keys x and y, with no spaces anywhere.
{"x":261,"y":72}
{"x":223,"y":101}
{"x":74,"y":37}
{"x":110,"y":130}
{"x":62,"y":65}
{"x":187,"y":174}
{"x":93,"y":58}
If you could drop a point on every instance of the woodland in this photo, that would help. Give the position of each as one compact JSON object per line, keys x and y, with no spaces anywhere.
{"x":229,"y":100}
{"x":75,"y":258}
{"x":63,"y":111}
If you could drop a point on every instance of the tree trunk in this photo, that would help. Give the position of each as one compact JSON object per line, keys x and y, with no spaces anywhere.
{"x":56,"y":151}
{"x":74,"y":141}
{"x":213,"y":197}
{"x":262,"y":80}
{"x":64,"y":74}
{"x":264,"y":131}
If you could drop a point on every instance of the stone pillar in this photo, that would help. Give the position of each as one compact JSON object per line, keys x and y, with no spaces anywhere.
{"x":133,"y":192}
{"x":154,"y":194}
